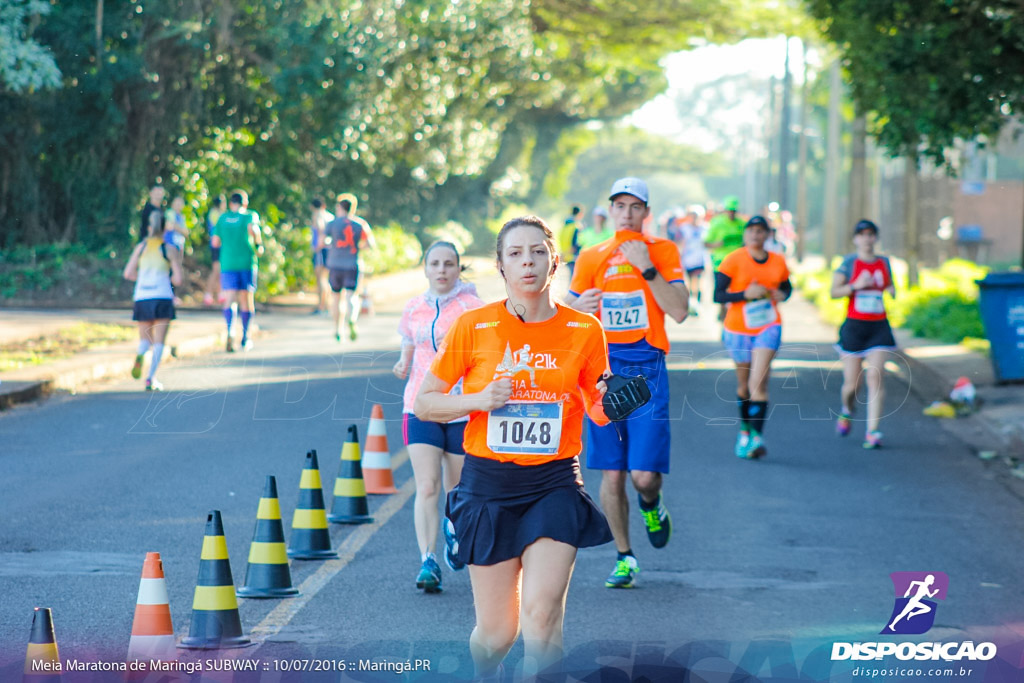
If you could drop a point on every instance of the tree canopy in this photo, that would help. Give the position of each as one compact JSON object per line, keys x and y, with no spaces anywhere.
{"x":428,"y":110}
{"x":930,"y":71}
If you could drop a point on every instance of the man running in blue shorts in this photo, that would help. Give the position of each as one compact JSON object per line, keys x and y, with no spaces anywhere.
{"x":631,"y":282}
{"x":237,"y":234}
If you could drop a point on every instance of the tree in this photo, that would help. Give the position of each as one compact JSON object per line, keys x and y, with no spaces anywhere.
{"x":25,"y":65}
{"x":930,"y":71}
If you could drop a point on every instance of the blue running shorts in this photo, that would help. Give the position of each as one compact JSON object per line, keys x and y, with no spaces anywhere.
{"x":741,"y":345}
{"x":238,"y":280}
{"x":645,"y":435}
{"x":446,"y":436}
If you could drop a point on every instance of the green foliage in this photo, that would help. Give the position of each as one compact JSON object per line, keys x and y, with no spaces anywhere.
{"x":396,"y":249}
{"x":943,"y":306}
{"x":930,"y":71}
{"x":450,"y":231}
{"x":25,"y":65}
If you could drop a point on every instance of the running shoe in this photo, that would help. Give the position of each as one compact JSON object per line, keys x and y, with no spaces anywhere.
{"x":429,"y":578}
{"x":843,"y":424}
{"x":451,"y":546}
{"x":756,"y":449}
{"x":352,"y":333}
{"x":624,"y":573}
{"x":154,"y":385}
{"x":207,"y":299}
{"x":229,"y":346}
{"x":873,"y":440}
{"x":742,"y":442}
{"x":247,"y":344}
{"x":658,"y":522}
{"x":137,"y":368}
{"x":337,"y":336}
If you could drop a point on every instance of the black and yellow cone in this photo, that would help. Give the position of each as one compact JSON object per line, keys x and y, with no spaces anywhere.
{"x":310,"y":538}
{"x":267,"y":575}
{"x":42,"y":663}
{"x":349,"y":504}
{"x":215,"y":621}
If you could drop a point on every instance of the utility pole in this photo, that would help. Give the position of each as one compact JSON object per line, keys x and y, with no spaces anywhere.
{"x":858,"y":169}
{"x":801,"y":181}
{"x":99,"y":34}
{"x":910,"y":217}
{"x":771,"y":140}
{"x":787,"y":96}
{"x":829,"y":240}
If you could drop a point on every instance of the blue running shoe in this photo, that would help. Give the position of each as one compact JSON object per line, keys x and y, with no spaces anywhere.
{"x":451,"y":546}
{"x":742,"y":444}
{"x":429,"y":578}
{"x":624,"y":573}
{"x":657,"y":521}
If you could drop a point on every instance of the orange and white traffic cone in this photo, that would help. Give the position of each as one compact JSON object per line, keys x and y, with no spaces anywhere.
{"x":377,"y":474}
{"x":42,"y":662}
{"x":152,"y":634}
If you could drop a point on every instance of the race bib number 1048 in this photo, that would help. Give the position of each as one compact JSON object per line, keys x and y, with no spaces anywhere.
{"x":528,"y":428}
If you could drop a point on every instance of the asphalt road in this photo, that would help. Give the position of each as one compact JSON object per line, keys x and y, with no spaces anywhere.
{"x":771,"y":561}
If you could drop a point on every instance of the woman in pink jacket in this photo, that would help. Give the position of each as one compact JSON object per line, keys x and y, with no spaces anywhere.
{"x":424,"y":323}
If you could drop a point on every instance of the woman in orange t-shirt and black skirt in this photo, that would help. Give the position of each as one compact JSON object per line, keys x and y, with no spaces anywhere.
{"x":530,"y":369}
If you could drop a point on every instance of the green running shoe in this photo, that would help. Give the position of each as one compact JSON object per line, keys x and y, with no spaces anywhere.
{"x":352,"y":333}
{"x":624,"y":573}
{"x":137,"y":368}
{"x":658,"y":522}
{"x":429,"y":578}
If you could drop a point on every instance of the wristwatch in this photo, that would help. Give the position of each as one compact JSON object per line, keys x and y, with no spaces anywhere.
{"x":650,"y":273}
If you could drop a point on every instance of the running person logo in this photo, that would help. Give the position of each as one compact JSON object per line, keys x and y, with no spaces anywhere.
{"x":523,"y":360}
{"x":915,"y":606}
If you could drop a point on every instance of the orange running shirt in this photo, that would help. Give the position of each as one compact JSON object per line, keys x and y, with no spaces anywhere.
{"x":548,"y":363}
{"x":628,"y":310}
{"x":751,"y":317}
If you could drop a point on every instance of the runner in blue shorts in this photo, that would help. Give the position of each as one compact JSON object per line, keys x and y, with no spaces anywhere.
{"x":751,"y":282}
{"x":631,"y":282}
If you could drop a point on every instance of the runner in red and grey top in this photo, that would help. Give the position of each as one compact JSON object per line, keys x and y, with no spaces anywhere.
{"x":864,"y":277}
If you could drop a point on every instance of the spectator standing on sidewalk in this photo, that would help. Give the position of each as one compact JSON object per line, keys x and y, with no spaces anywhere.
{"x":154,"y":203}
{"x":319,"y":218}
{"x":155,"y":267}
{"x":212,"y":292}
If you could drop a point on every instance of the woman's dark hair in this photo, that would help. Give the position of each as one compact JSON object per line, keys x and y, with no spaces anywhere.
{"x":531,"y":221}
{"x":442,"y":243}
{"x":160,"y":224}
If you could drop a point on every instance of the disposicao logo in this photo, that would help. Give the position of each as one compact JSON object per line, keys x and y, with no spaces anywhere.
{"x":916,"y":595}
{"x":913,"y":613}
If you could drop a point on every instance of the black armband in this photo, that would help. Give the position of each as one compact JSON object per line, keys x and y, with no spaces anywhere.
{"x":722,"y":295}
{"x":624,"y":395}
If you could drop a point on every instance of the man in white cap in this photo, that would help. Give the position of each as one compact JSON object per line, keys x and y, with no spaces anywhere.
{"x":631,"y":282}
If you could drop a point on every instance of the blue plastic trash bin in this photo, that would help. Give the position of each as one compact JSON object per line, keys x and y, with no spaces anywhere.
{"x":1001,"y":302}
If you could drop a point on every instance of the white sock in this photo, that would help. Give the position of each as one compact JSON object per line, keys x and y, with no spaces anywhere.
{"x":143,"y":346}
{"x":154,"y":363}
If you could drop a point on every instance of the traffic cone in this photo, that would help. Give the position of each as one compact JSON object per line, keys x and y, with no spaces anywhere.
{"x":42,"y":663}
{"x":377,"y":458}
{"x":349,"y":504}
{"x":267,"y":575}
{"x":310,"y":538}
{"x":215,"y":620}
{"x":152,"y":633}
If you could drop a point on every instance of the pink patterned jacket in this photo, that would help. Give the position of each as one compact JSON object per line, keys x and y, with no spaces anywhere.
{"x":424,"y":323}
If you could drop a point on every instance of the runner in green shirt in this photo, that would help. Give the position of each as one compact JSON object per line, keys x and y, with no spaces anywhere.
{"x":237,"y":234}
{"x":725,"y":232}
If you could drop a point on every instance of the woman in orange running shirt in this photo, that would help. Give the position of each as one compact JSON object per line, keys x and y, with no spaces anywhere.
{"x":530,"y":368}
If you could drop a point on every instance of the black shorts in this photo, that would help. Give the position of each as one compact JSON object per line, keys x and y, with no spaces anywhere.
{"x":320,"y":258}
{"x":446,"y":436}
{"x":153,"y":309}
{"x":343,"y":278}
{"x":499,"y":508}
{"x":860,"y":337}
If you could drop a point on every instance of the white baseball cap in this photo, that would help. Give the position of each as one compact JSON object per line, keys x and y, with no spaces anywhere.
{"x":600,"y":211}
{"x":631,"y":186}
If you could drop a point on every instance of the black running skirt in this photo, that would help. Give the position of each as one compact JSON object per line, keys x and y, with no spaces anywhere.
{"x":153,"y":309}
{"x":860,"y":337}
{"x":499,"y":508}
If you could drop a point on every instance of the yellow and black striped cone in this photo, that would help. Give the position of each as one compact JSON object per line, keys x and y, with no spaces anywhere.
{"x":310,"y":538}
{"x":349,"y":504}
{"x":42,"y":663}
{"x":267,"y":575}
{"x":215,"y":621}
